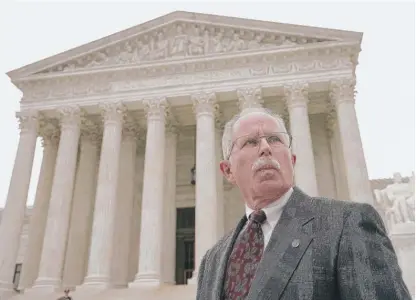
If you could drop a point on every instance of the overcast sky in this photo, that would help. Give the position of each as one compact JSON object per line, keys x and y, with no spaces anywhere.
{"x":385,"y":102}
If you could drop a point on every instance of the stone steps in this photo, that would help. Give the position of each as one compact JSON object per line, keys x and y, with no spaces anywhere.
{"x":171,"y":292}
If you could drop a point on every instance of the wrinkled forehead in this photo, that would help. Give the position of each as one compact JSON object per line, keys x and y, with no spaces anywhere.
{"x":254,"y":123}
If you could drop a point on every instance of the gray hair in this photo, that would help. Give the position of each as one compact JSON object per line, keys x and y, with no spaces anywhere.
{"x":227,"y":137}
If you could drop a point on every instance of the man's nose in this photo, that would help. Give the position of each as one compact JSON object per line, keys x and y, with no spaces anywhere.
{"x":264,"y":147}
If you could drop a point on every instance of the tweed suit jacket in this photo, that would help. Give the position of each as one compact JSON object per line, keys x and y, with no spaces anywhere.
{"x":320,"y":249}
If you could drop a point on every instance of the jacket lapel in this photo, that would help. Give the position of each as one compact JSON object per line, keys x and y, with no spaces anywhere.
{"x":223,"y":255}
{"x":286,"y":247}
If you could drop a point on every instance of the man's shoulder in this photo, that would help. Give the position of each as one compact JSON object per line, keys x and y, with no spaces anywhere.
{"x":339,"y":208}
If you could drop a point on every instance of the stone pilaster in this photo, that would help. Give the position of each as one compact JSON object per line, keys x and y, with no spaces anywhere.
{"x":54,"y":243}
{"x":343,"y":96}
{"x":151,"y":231}
{"x":100,"y":254}
{"x":82,"y":206}
{"x":14,"y":211}
{"x":206,"y":177}
{"x":49,"y":131}
{"x":249,"y":98}
{"x":169,"y":208}
{"x":125,"y":205}
{"x":297,"y":104}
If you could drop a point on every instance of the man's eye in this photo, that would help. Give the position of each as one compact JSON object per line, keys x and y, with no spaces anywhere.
{"x":274,"y":139}
{"x":251,"y":142}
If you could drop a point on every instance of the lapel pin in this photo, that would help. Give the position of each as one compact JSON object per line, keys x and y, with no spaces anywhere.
{"x":295,"y":243}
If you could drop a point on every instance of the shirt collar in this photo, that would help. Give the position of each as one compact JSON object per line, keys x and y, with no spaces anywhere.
{"x":274,"y":209}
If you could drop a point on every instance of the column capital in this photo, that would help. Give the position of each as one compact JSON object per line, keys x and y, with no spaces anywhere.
{"x":131,"y":128}
{"x":330,"y":122}
{"x":249,"y":97}
{"x":155,"y":108}
{"x":113,"y":112}
{"x":219,"y":122}
{"x":172,"y":128}
{"x":342,"y":90}
{"x":204,"y":103}
{"x":28,"y":120}
{"x":296,"y":94}
{"x":285,"y":117}
{"x":49,"y":131}
{"x":70,"y":116}
{"x":90,"y":131}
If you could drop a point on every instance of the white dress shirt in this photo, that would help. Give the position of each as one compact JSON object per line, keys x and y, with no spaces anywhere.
{"x":273,"y":212}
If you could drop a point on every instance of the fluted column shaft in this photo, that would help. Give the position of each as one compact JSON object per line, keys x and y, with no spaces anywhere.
{"x":206,"y":177}
{"x":82,"y":207}
{"x":100,"y":254}
{"x":124,"y":211}
{"x":297,"y":104}
{"x":151,"y":231}
{"x":137,"y":204}
{"x":14,"y":211}
{"x":220,"y":182}
{"x":169,"y":208}
{"x":54,"y":243}
{"x":342,"y":95}
{"x":31,"y":260}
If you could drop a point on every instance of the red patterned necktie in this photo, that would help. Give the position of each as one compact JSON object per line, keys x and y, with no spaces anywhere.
{"x":245,"y":257}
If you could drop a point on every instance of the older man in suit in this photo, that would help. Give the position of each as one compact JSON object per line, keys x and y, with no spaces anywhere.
{"x":290,"y":245}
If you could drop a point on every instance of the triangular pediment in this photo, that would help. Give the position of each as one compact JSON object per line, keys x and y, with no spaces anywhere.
{"x":182,"y":35}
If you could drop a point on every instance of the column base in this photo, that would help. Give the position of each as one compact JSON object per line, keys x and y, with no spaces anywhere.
{"x":97,"y":282}
{"x":46,"y":285}
{"x":146,"y":280}
{"x":7,"y":290}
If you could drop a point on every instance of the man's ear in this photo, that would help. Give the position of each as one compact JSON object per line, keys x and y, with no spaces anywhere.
{"x":226,"y":171}
{"x":293,"y":159}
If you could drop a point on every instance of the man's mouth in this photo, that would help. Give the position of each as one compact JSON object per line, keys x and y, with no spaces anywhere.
{"x":266,"y":167}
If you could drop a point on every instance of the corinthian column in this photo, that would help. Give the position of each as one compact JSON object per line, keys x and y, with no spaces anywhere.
{"x":151,"y":231}
{"x":249,"y":98}
{"x":342,"y":94}
{"x":99,"y":264}
{"x":206,"y":213}
{"x":30,"y":267}
{"x":82,"y":207}
{"x":297,"y":104}
{"x":14,"y":211}
{"x":54,"y":243}
{"x":125,"y":204}
{"x":169,"y":208}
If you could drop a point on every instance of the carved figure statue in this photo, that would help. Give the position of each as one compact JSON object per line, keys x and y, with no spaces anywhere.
{"x":236,"y":43}
{"x":161,"y":48}
{"x":143,"y":52}
{"x":196,"y":45}
{"x":397,"y":201}
{"x":179,"y":43}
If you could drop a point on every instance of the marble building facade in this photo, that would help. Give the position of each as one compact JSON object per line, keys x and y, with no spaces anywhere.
{"x":125,"y":119}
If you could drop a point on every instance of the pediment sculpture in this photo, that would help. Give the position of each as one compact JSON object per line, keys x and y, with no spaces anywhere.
{"x":181,"y":40}
{"x":397,"y":201}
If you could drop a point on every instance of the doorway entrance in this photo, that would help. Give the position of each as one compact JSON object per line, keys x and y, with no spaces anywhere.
{"x":185,"y":244}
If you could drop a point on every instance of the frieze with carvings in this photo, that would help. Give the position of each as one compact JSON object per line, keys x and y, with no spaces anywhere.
{"x":181,"y":40}
{"x":100,"y":84}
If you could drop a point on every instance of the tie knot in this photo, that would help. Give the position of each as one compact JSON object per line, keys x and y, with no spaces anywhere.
{"x":258,"y":216}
